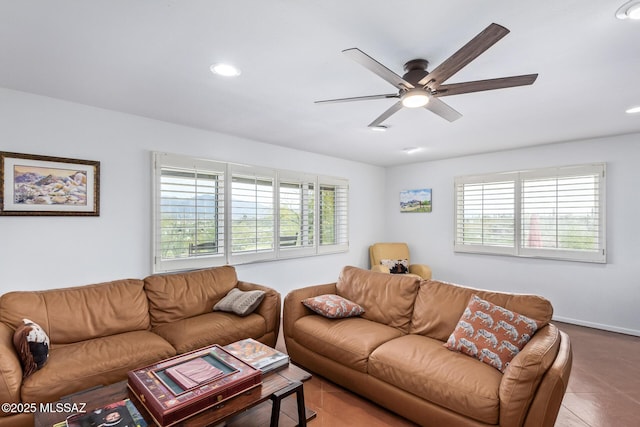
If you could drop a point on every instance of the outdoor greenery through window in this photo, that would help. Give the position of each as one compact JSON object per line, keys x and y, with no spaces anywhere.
{"x":209,"y":213}
{"x":548,"y":213}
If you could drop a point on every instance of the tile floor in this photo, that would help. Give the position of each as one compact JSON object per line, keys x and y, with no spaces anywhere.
{"x":604,"y":388}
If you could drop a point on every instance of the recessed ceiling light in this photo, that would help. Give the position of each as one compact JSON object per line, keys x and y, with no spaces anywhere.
{"x":411,"y":150}
{"x":633,"y":110}
{"x":226,"y":70}
{"x":629,"y":10}
{"x":379,"y":128}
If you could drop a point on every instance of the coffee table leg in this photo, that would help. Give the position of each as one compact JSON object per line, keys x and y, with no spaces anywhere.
{"x":297,"y":388}
{"x":302,"y":411}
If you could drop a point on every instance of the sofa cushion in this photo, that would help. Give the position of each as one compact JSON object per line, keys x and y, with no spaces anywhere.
{"x":211,"y":328}
{"x":240,"y":302}
{"x":85,"y":364}
{"x":80,"y":313}
{"x":386,"y":298}
{"x":333,"y":306}
{"x":490,"y":333}
{"x":440,"y":305}
{"x":347,"y":341}
{"x":423,"y":367}
{"x":32,"y":345}
{"x":174,"y":297}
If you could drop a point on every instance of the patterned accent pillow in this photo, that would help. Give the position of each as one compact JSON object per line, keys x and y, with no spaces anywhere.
{"x":32,"y":344}
{"x":333,"y":306}
{"x":490,"y":333}
{"x":240,"y":302}
{"x":396,"y":266}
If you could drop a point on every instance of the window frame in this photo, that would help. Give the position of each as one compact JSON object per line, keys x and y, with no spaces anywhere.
{"x":227,"y":171}
{"x":519,"y":247}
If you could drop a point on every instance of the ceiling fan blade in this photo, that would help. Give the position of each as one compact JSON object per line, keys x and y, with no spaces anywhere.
{"x":374,"y":66}
{"x":467,"y":53}
{"x":384,"y":116}
{"x":489,"y":84}
{"x":442,"y":109}
{"x":359,"y":98}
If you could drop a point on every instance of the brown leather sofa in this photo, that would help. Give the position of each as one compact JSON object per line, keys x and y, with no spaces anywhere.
{"x":393,"y":354}
{"x":99,"y":332}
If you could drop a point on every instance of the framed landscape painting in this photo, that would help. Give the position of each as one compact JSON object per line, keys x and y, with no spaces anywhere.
{"x":42,"y":185}
{"x":415,"y":200}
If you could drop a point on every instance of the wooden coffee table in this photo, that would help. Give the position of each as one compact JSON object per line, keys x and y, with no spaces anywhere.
{"x":259,"y":406}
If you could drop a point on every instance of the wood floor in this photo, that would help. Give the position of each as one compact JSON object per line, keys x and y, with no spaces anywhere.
{"x":604,"y":388}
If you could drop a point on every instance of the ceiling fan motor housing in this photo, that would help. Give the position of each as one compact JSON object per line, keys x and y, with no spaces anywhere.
{"x":415,"y":69}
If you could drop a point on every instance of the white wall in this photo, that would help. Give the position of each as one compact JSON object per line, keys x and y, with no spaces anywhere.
{"x":49,"y":252}
{"x":604,"y":296}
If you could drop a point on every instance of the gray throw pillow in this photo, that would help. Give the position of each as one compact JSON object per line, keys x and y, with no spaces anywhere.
{"x":240,"y":302}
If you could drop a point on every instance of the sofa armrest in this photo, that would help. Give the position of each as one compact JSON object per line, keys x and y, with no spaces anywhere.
{"x":524,"y":374}
{"x":10,"y":369}
{"x":269,"y":308}
{"x":546,"y":403}
{"x":421,"y":270}
{"x":293,"y":308}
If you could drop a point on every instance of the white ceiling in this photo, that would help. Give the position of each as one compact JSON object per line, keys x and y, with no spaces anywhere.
{"x":151,"y":58}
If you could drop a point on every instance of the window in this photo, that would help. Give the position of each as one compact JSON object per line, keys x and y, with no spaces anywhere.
{"x":549,"y":213}
{"x":297,"y":226}
{"x":333,"y":215}
{"x":209,"y":213}
{"x":189,"y":214}
{"x":252,"y":214}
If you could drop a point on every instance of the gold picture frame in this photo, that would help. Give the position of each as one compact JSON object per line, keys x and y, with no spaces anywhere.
{"x":36,"y":185}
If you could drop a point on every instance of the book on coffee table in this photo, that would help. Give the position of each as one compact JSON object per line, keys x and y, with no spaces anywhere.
{"x":258,"y":355}
{"x":122,"y":413}
{"x":193,"y":373}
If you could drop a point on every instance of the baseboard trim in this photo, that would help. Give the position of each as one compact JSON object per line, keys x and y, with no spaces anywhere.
{"x":609,"y":328}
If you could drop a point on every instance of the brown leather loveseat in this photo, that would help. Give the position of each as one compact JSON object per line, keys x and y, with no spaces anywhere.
{"x":99,"y":332}
{"x":394,"y":354}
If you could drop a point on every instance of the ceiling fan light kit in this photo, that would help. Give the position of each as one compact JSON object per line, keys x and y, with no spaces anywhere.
{"x":629,"y":10}
{"x":421,"y":88}
{"x":415,"y":98}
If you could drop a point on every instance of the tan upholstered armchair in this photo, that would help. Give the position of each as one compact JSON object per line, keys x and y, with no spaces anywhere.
{"x":379,"y":252}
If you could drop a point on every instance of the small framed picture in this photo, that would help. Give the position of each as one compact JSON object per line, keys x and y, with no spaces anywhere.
{"x":43,"y":185}
{"x":415,"y":200}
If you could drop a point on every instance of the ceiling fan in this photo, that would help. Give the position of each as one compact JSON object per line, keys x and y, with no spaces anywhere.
{"x":421,"y":88}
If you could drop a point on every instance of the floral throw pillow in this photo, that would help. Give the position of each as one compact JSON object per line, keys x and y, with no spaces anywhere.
{"x":490,"y":333}
{"x":333,"y":306}
{"x":396,"y":266}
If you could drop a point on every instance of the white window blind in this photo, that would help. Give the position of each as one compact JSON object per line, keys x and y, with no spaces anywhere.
{"x":252,"y":214}
{"x":189,"y":213}
{"x":209,"y":213}
{"x":562,"y":213}
{"x":485,"y":215}
{"x":297,"y":225}
{"x":553,"y":213}
{"x":333,"y":216}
